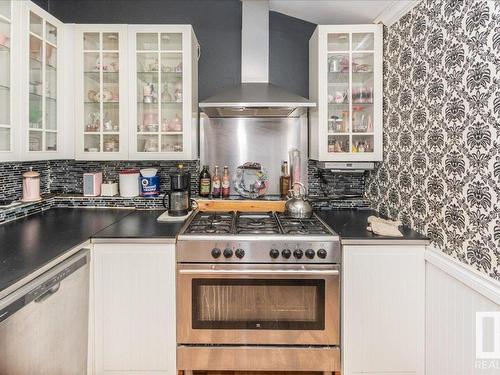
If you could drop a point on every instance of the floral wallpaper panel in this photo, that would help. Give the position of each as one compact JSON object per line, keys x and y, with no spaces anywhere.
{"x":441,"y":168}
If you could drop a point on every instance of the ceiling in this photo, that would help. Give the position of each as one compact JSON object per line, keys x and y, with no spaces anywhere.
{"x":336,"y":11}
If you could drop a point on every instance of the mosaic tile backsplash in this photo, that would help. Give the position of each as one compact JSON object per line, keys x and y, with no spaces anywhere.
{"x":65,"y":176}
{"x":61,"y":184}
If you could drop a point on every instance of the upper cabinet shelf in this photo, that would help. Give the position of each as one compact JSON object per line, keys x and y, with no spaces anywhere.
{"x":101,"y":91}
{"x":137,"y":92}
{"x":345,"y":79}
{"x":163,"y":92}
{"x":6,"y":124}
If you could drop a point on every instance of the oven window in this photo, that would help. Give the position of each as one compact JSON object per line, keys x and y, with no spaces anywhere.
{"x":258,"y":304}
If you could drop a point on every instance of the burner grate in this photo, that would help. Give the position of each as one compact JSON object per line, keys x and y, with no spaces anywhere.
{"x":211,"y":223}
{"x":257,"y":223}
{"x":302,"y":226}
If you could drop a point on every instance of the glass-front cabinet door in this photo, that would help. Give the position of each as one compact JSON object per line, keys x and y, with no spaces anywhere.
{"x":43,"y":128}
{"x":101,"y":90}
{"x":163,"y":92}
{"x":5,"y":77}
{"x":349,"y":93}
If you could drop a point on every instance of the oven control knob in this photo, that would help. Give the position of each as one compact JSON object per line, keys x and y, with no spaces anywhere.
{"x":274,"y":253}
{"x":298,"y":253}
{"x":286,"y":253}
{"x":322,"y":253}
{"x":228,"y":253}
{"x":240,"y":253}
{"x":216,"y":252}
{"x":310,"y":253}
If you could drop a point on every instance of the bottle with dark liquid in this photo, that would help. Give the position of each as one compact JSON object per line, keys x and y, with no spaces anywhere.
{"x":284,"y":180}
{"x":205,"y":182}
{"x":216,"y":183}
{"x":226,"y":183}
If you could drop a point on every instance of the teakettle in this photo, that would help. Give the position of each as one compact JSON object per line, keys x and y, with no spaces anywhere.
{"x":297,"y":204}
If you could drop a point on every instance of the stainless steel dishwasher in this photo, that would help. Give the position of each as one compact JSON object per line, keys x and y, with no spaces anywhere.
{"x":44,"y":324}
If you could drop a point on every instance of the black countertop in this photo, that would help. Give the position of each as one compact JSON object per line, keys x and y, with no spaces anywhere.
{"x":30,"y":243}
{"x":140,"y":224}
{"x":351,"y":226}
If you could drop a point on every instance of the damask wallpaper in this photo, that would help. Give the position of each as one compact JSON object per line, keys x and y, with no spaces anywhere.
{"x":441,"y":168}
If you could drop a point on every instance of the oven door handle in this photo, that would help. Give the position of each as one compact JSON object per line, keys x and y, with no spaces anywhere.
{"x":246,"y":272}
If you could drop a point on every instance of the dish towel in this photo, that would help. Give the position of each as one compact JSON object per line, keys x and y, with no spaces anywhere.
{"x":383,"y":227}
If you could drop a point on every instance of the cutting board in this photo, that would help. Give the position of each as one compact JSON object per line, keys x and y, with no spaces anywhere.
{"x":240,"y":205}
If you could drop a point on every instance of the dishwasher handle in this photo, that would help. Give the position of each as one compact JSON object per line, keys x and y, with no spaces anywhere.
{"x":49,"y":292}
{"x":44,"y":286}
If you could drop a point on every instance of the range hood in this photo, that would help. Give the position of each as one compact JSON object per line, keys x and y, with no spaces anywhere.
{"x":255,"y":96}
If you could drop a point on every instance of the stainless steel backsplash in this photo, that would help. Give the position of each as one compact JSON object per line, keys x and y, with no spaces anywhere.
{"x":234,"y":141}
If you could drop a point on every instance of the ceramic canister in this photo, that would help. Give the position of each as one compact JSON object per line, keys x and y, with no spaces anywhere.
{"x":129,"y":183}
{"x":31,"y":186}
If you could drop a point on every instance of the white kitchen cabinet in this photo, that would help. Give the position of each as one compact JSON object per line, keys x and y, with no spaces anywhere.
{"x":101,"y":105}
{"x":345,"y":80}
{"x":383,"y":309}
{"x":8,"y":46}
{"x":163,"y":92}
{"x":133,"y":313}
{"x":42,"y":69}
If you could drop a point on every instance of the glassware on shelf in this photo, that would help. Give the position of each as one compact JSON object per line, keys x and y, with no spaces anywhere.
{"x":338,"y":143}
{"x":101,"y":90}
{"x":159,"y":92}
{"x":338,"y":63}
{"x":362,"y":95}
{"x":149,"y":94}
{"x":362,"y":143}
{"x":42,"y":85}
{"x":362,"y":120}
{"x":172,"y":92}
{"x":172,"y":125}
{"x":171,"y":143}
{"x":111,"y":143}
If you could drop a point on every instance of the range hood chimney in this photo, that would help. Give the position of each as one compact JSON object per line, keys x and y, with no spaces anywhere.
{"x":255,"y":96}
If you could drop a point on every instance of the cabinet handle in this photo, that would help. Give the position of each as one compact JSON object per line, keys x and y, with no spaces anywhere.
{"x":198,"y":47}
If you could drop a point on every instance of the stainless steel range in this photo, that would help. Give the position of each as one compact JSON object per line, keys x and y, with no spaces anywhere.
{"x":257,"y":291}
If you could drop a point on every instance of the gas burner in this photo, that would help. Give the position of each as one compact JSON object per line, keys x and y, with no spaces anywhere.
{"x":302,"y":226}
{"x":256,"y":223}
{"x":211,"y":223}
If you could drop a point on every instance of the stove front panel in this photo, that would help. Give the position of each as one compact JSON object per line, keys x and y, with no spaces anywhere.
{"x":260,"y":249}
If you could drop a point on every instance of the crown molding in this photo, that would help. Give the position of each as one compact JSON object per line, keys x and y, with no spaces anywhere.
{"x":394,"y":11}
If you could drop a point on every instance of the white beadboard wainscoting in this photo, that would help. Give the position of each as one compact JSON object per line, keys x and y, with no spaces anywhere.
{"x":454,"y":293}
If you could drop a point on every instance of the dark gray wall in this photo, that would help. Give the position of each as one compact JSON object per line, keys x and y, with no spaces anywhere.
{"x":42,"y":3}
{"x":289,"y":52}
{"x":217,"y":24}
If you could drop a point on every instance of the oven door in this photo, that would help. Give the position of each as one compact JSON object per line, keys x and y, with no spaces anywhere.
{"x":258,"y":304}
